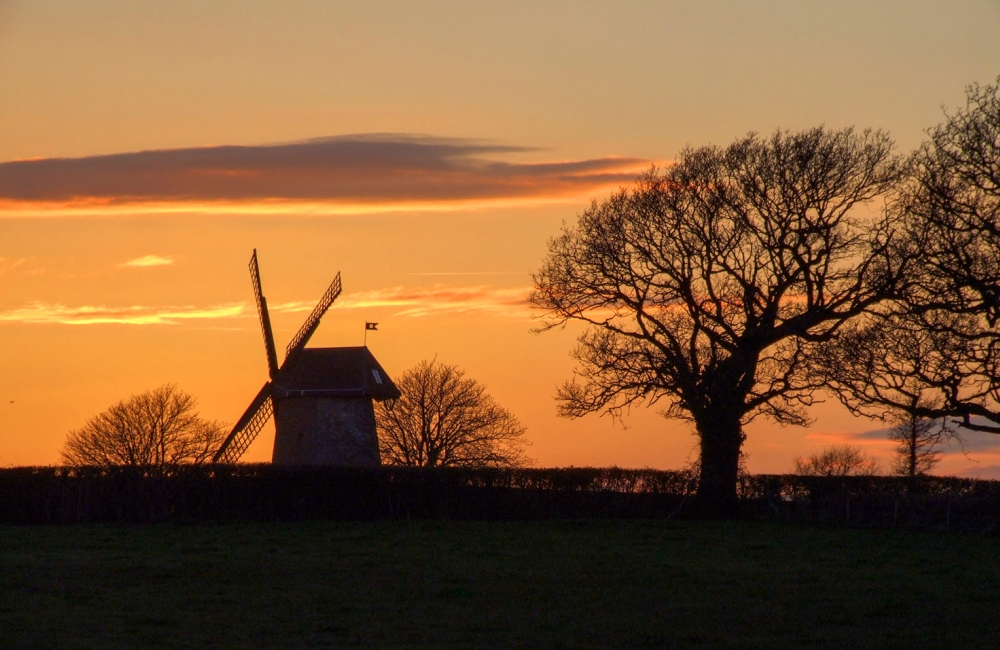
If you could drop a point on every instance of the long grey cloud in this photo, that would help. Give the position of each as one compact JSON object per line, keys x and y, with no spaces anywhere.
{"x":973,"y":441}
{"x":355,"y":168}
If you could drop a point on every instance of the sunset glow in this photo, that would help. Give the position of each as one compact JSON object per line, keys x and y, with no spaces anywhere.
{"x":427,"y":154}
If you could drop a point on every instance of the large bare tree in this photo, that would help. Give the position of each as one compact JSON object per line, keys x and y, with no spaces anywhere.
{"x":936,"y":354}
{"x":707,"y":285}
{"x":157,"y":427}
{"x":444,"y":418}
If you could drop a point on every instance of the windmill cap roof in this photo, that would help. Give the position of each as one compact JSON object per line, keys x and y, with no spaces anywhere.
{"x":334,"y":372}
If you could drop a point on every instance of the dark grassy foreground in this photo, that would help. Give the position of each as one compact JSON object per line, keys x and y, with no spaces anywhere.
{"x":560,"y":584}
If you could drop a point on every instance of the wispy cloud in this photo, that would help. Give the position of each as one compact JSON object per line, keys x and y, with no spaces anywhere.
{"x":444,"y":273}
{"x":8,"y":264}
{"x":985,"y":472}
{"x":406,"y":301}
{"x":148,"y":260}
{"x":973,"y":441}
{"x":41,"y":312}
{"x":427,"y":301}
{"x":356,"y":172}
{"x":867,"y":439}
{"x":440,"y":299}
{"x":292,"y":307}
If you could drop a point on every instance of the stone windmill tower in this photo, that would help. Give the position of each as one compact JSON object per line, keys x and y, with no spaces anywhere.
{"x":321,"y":398}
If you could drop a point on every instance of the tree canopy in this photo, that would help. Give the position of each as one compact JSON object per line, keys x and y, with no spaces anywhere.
{"x":443,"y":418}
{"x":157,"y":427}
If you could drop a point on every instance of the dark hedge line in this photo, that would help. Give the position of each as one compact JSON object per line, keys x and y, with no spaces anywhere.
{"x":270,"y":493}
{"x":196,"y":493}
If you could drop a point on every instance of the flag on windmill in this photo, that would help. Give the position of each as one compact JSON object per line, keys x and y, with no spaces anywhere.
{"x":369,"y":326}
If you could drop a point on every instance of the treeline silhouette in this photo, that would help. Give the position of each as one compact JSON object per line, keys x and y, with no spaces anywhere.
{"x":264,"y":492}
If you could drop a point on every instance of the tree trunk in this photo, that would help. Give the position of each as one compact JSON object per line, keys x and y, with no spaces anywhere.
{"x":722,"y":438}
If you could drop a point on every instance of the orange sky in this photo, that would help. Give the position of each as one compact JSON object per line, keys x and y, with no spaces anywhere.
{"x":147,"y":148}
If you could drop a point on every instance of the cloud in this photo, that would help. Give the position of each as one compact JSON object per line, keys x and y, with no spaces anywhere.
{"x":293,"y":307}
{"x":441,"y":299}
{"x":443,"y":273}
{"x":8,"y":264}
{"x":148,"y":260}
{"x":973,"y":441}
{"x":382,"y":171}
{"x":41,"y":312}
{"x":871,"y":440}
{"x":426,"y":301}
{"x":985,"y":473}
{"x":408,"y":302}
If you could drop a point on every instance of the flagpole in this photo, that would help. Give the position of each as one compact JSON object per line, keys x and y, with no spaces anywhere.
{"x":369,"y":326}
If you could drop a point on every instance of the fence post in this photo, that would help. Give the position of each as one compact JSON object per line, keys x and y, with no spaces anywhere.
{"x":895,"y":513}
{"x":848,"y":508}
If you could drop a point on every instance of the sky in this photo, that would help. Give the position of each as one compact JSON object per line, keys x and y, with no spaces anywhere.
{"x":425,"y":150}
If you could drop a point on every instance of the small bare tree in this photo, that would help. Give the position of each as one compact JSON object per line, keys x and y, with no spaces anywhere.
{"x":158,"y":427}
{"x":444,"y":418}
{"x":904,"y":370}
{"x":837,"y":460}
{"x":917,"y":443}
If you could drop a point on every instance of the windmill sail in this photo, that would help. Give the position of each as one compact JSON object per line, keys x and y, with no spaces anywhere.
{"x":265,"y":320}
{"x":312,"y":322}
{"x":247,"y":428}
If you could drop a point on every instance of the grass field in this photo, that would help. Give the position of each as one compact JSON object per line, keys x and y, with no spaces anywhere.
{"x":628,"y":584}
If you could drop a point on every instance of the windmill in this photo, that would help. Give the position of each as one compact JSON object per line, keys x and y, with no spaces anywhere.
{"x":321,"y":398}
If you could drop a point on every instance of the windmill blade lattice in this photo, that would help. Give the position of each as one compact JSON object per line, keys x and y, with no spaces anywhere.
{"x":265,"y":319}
{"x":307,"y":329}
{"x":247,"y":427}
